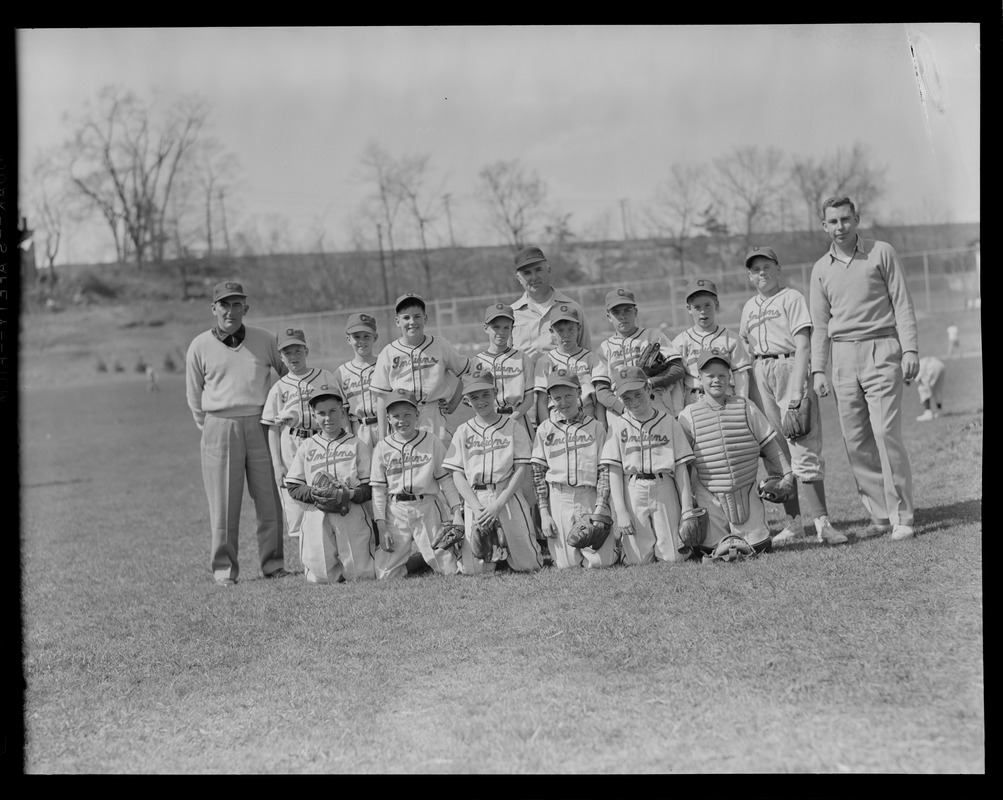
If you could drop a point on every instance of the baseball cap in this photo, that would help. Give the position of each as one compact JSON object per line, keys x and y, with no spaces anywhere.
{"x":628,"y":379}
{"x":292,"y":336}
{"x":402,"y":396}
{"x":478,"y":378}
{"x":619,"y":297}
{"x":711,"y":354}
{"x":759,"y":250}
{"x":361,"y":322}
{"x":700,"y":285}
{"x":325,"y":390}
{"x":528,"y":256}
{"x":498,"y":310}
{"x":408,"y":298}
{"x":563,"y":377}
{"x":227,"y":289}
{"x":563,"y":312}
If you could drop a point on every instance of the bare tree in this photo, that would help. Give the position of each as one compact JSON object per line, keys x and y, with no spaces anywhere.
{"x":422,"y":202}
{"x":846,"y":172}
{"x":215,"y":173}
{"x":674,"y":213}
{"x":51,"y":205}
{"x":380,"y":168}
{"x":514,"y":197}
{"x":748,"y":184}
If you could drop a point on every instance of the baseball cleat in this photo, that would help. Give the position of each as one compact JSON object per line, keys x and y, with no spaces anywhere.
{"x":226,"y":582}
{"x":828,"y":534}
{"x":900,"y":532}
{"x":926,"y":416}
{"x":793,"y":529}
{"x":875,"y":529}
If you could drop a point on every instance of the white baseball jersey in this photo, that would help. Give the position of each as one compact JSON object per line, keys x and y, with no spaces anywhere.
{"x":691,"y":341}
{"x":347,"y":458}
{"x":421,"y":369}
{"x":570,"y":451}
{"x":582,"y":363}
{"x":513,"y":373}
{"x":657,"y":445}
{"x":413,"y":467}
{"x":622,"y":351}
{"x":354,"y":381}
{"x":769,"y":323}
{"x":488,"y":454}
{"x":288,"y":399}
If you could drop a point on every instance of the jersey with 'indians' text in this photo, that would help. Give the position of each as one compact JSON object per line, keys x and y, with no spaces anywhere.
{"x":656,"y":445}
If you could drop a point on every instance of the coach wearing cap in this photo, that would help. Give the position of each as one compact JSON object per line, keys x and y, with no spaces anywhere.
{"x":534,"y":310}
{"x":228,"y":374}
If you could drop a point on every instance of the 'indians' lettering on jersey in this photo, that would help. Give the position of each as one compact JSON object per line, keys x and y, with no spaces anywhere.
{"x":488,"y":453}
{"x":513,"y":375}
{"x":582,"y":363}
{"x":691,"y":341}
{"x":287,"y":400}
{"x":569,"y":451}
{"x":652,"y":446}
{"x":347,"y":458}
{"x":420,"y":369}
{"x":354,"y":381}
{"x":412,"y":467}
{"x":622,"y":351}
{"x":769,"y":323}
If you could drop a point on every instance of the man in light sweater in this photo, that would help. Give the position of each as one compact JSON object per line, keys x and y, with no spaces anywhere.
{"x":228,"y":375}
{"x":862,"y":314}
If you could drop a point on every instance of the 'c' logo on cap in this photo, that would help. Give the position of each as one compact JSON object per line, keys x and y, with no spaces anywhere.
{"x":231,"y":285}
{"x":402,"y":391}
{"x":623,"y":373}
{"x":562,"y":372}
{"x":365,"y":318}
{"x":500,"y":306}
{"x":701,"y":282}
{"x":290,"y":331}
{"x":621,"y":292}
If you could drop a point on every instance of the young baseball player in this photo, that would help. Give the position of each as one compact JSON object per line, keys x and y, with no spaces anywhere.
{"x":568,"y":354}
{"x":334,"y":546}
{"x":488,"y":456}
{"x":929,"y":381}
{"x":647,"y":454}
{"x":728,"y":434}
{"x":512,"y":369}
{"x":776,"y":327}
{"x":412,"y":493}
{"x":623,"y":348}
{"x":420,"y":364}
{"x":570,"y":482}
{"x":354,"y":376}
{"x":289,"y":419}
{"x":705,"y":334}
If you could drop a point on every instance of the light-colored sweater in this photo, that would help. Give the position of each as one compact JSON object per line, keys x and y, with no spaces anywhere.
{"x":231,"y":382}
{"x":865,"y":299}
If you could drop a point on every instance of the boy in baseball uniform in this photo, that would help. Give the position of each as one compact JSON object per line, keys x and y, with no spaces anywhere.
{"x":420,"y":364}
{"x":776,"y":328}
{"x":512,"y":369}
{"x":566,"y":328}
{"x":488,"y":456}
{"x":929,"y":381}
{"x":570,"y":482}
{"x":334,"y":546}
{"x":413,"y":494}
{"x":623,"y":348}
{"x":728,"y":435}
{"x":647,"y":454}
{"x":705,"y":334}
{"x":355,"y":376}
{"x":289,"y":419}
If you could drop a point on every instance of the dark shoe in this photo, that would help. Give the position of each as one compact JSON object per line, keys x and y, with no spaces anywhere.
{"x":227,"y":582}
{"x":279,"y":573}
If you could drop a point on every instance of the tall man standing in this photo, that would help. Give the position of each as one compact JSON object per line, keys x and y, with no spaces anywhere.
{"x":228,"y":374}
{"x":862,"y":312}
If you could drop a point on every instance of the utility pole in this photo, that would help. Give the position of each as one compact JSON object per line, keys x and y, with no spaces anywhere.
{"x":383,"y":265}
{"x":226,"y":232}
{"x":623,"y":216}
{"x":449,"y":219}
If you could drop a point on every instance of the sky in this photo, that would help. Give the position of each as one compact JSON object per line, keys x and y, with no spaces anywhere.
{"x":601,"y":113}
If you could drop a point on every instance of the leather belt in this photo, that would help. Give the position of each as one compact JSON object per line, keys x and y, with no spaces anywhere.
{"x":505,"y":409}
{"x":776,"y":355}
{"x":301,"y":433}
{"x":367,"y":420}
{"x":481,"y":486}
{"x":648,"y":476}
{"x":406,"y":496}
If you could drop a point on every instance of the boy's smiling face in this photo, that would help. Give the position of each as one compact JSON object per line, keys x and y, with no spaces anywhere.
{"x":764,"y":275}
{"x":567,"y":400}
{"x":636,"y":401}
{"x":330,"y":416}
{"x":411,"y":321}
{"x":702,"y":308}
{"x":624,"y":318}
{"x":402,"y":418}
{"x":714,"y":377}
{"x":482,"y":401}
{"x":361,"y":342}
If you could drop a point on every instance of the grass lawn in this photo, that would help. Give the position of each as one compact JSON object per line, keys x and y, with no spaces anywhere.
{"x":863,"y":658}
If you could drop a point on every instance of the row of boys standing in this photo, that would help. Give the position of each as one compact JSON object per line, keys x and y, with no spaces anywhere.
{"x":579,"y":432}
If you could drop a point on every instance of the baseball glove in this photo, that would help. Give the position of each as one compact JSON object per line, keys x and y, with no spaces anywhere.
{"x":449,"y":535}
{"x":732,"y":548}
{"x":776,"y":488}
{"x":692,"y":529}
{"x":590,"y":531}
{"x":485,"y":542}
{"x":651,"y":361}
{"x":329,"y":494}
{"x":796,"y":423}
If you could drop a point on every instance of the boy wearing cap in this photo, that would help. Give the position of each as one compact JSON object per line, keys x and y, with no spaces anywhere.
{"x":776,"y":327}
{"x":413,"y":495}
{"x":512,"y":369}
{"x":488,"y":457}
{"x":570,"y":482}
{"x":289,"y":420}
{"x":705,"y":334}
{"x":728,"y":435}
{"x":647,"y":454}
{"x":566,"y":328}
{"x":228,"y":372}
{"x":355,"y":376}
{"x":334,"y":546}
{"x":420,"y":364}
{"x":623,"y":348}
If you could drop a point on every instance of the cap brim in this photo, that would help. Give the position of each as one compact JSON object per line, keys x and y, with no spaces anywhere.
{"x":627,"y":386}
{"x":325,"y":395}
{"x":359,"y":329}
{"x":477,"y":386}
{"x":525,"y":264}
{"x":397,"y":402}
{"x":232,"y":294}
{"x":569,"y":384}
{"x":289,"y":342}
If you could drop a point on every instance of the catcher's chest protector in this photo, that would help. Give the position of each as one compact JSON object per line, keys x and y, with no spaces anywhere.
{"x":727,"y":453}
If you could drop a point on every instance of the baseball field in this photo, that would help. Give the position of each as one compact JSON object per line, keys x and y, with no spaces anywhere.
{"x":862,"y":658}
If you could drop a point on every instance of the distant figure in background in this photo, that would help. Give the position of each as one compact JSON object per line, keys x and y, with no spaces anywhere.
{"x":151,"y":379}
{"x":929,"y":381}
{"x":953,"y":341}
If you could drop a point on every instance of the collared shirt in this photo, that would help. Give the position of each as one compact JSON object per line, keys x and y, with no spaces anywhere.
{"x":860,"y":298}
{"x":230,"y":339}
{"x":532,"y":329}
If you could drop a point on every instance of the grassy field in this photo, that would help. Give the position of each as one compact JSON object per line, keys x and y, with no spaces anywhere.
{"x":864,"y":658}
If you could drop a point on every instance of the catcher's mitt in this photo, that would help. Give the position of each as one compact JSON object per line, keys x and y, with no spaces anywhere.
{"x":485,"y":542}
{"x":590,"y":531}
{"x":692,"y":529}
{"x":796,"y":423}
{"x":776,"y":488}
{"x":329,"y":494}
{"x":651,"y":361}
{"x":449,"y":535}
{"x":732,"y":548}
